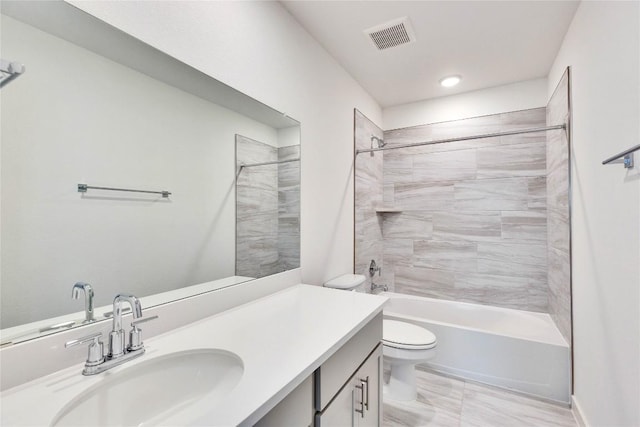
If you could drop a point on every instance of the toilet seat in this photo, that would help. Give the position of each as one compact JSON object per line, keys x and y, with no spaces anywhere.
{"x":406,"y":336}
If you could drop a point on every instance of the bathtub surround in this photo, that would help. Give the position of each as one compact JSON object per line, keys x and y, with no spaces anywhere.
{"x":267,"y":208}
{"x":472,"y":221}
{"x":558,"y":226}
{"x":467,"y":221}
{"x":368,"y":242}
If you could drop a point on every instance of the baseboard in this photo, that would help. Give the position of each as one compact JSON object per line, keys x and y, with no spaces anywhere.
{"x":577,"y":412}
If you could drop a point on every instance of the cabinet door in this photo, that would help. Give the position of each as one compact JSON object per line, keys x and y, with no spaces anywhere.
{"x":368,"y":396}
{"x":358,"y":403}
{"x":340,"y":412}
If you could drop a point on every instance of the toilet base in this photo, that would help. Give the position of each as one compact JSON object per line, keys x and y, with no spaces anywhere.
{"x":402,"y":383}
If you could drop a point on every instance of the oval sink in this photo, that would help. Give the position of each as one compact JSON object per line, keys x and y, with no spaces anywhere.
{"x":153,"y":391}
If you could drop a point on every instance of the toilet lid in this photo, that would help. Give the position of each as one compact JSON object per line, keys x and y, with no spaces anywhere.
{"x":406,"y":335}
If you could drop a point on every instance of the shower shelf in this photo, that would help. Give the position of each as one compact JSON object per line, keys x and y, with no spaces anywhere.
{"x":388,"y":210}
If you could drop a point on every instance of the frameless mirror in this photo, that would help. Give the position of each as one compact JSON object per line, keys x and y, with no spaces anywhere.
{"x":119,"y":170}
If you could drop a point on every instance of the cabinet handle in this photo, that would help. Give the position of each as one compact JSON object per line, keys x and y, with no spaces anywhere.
{"x":363,"y":383}
{"x":361,"y":410}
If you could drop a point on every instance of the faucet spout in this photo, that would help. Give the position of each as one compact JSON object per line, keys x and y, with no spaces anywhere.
{"x":116,"y":337}
{"x":88,"y":299}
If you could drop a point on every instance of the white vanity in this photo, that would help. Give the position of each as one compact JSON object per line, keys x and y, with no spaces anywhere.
{"x":302,"y":356}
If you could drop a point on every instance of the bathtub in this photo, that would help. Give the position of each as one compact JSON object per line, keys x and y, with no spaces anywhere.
{"x":518,"y":350}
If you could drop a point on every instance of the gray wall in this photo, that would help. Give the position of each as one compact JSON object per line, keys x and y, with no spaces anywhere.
{"x":558,"y":232}
{"x":267,"y":209}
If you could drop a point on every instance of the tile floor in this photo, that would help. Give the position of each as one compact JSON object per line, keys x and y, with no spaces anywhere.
{"x":449,"y":402}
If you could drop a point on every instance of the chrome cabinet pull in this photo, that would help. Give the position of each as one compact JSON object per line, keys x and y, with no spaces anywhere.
{"x":361,"y":410}
{"x":363,"y":383}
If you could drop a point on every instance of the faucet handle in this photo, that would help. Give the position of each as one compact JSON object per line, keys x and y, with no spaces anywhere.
{"x":142,"y":320}
{"x":135,"y":339}
{"x":96,"y":348}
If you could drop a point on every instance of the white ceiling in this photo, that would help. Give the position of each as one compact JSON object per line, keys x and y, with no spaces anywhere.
{"x":488,"y":43}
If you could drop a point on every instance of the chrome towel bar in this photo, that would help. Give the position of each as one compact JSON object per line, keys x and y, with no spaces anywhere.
{"x":82,"y":188}
{"x":625,"y":157}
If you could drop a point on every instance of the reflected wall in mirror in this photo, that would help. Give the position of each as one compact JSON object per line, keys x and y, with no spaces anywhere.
{"x":103,"y":109}
{"x":267,"y":205}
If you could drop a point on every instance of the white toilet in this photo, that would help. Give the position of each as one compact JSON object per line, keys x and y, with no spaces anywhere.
{"x":404,"y":346}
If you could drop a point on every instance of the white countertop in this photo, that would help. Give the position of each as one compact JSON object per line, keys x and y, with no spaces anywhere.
{"x":281,"y":338}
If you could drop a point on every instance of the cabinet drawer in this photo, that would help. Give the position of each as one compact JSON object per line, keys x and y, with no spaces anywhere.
{"x":336,"y":371}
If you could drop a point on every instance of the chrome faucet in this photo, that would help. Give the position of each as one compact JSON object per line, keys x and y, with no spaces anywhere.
{"x":375,"y":287}
{"x":88,"y":299}
{"x":116,"y":336}
{"x":117,"y":353}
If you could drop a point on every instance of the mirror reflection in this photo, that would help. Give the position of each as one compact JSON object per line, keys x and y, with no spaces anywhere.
{"x":81,"y":128}
{"x":267,"y":205}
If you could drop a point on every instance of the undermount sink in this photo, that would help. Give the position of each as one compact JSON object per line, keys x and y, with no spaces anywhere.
{"x":156,"y":391}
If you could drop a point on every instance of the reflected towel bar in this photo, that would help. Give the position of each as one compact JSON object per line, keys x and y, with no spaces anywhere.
{"x":82,"y":188}
{"x":626,"y":157}
{"x":275,"y":162}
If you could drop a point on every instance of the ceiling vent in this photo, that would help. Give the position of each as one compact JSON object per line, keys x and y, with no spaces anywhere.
{"x":392,"y":33}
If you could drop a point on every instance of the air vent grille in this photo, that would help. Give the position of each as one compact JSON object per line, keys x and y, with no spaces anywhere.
{"x":391,"y":34}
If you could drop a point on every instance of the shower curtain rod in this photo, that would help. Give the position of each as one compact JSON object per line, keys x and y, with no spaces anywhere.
{"x":465,"y":138}
{"x":275,"y":162}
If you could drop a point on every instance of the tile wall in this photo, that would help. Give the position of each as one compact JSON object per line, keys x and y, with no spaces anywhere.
{"x":368,"y":197}
{"x":483,"y":221}
{"x":267,"y":209}
{"x":558,"y":230}
{"x":471,"y":223}
{"x":289,"y":208}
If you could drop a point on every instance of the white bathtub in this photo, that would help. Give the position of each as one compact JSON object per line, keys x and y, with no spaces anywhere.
{"x":518,"y":350}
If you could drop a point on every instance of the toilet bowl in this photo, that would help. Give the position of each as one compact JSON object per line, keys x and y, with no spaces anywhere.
{"x":404,"y":346}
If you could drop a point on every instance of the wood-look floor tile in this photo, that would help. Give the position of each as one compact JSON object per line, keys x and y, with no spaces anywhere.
{"x":439,"y":403}
{"x":484,"y":406}
{"x":450,"y":402}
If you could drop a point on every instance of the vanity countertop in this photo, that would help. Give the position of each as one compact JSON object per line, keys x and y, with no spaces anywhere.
{"x":281,"y":338}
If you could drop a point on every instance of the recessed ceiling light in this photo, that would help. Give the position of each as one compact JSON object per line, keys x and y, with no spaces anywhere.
{"x":450,"y":81}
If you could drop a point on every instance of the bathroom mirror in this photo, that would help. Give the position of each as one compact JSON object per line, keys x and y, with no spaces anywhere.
{"x":97,"y":114}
